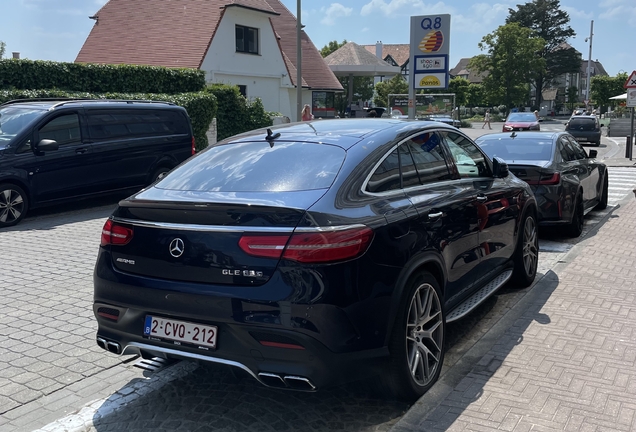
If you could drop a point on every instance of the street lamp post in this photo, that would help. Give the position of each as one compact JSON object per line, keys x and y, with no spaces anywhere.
{"x":299,"y":58}
{"x":589,"y":62}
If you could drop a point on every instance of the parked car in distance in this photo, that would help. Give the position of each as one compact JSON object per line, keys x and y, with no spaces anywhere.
{"x":315,"y":253}
{"x":521,"y":121}
{"x":444,"y":118}
{"x":53,"y":151}
{"x":578,"y":111}
{"x":566,"y":181}
{"x":585,"y":128}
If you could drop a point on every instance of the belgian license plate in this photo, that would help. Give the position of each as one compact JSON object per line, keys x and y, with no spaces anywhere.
{"x":203,"y":336}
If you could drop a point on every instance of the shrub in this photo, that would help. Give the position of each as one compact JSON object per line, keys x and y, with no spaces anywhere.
{"x":201,"y":106}
{"x":98,"y":78}
{"x":235,"y":114}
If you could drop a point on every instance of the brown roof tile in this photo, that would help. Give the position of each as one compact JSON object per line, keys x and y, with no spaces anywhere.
{"x":315,"y":71}
{"x":399,"y":52}
{"x":178,"y":33}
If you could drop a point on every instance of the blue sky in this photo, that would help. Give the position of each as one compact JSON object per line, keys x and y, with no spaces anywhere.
{"x":56,"y":29}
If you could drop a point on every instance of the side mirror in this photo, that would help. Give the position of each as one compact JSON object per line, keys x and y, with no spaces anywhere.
{"x":500,"y":168}
{"x":593,"y":154}
{"x":47,"y":145}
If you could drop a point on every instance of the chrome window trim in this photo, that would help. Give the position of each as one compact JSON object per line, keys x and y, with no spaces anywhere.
{"x":402,"y":190}
{"x":227,"y":229}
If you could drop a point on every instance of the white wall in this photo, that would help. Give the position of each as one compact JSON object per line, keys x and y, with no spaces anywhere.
{"x":264,"y":75}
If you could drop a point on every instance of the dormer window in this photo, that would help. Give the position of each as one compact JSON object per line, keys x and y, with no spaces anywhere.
{"x":246,"y":39}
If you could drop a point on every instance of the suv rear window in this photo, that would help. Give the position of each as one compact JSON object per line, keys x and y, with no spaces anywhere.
{"x":584,"y":123}
{"x":257,"y":167}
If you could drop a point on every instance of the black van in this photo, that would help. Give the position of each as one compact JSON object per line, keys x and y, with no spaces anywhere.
{"x":56,"y":150}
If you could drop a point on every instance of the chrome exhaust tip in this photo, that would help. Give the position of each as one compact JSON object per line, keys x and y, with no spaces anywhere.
{"x":113,"y":347}
{"x":271,"y":380}
{"x":299,"y":383}
{"x":101,"y":343}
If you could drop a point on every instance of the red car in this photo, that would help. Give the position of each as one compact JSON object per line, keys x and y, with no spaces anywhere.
{"x":524,"y":121}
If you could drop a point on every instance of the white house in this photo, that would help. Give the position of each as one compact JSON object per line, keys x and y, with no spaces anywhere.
{"x":248,"y":43}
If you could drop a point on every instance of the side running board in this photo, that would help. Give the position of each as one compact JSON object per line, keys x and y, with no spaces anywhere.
{"x":478,"y":298}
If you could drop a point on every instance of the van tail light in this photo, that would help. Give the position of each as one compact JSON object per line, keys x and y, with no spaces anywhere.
{"x":311,"y":246}
{"x":194,"y":147}
{"x":116,"y":234}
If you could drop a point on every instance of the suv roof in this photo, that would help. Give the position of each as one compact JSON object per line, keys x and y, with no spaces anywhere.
{"x":50,"y":104}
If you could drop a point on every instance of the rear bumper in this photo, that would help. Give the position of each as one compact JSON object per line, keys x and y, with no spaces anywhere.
{"x":586,"y":136}
{"x":317,"y":343}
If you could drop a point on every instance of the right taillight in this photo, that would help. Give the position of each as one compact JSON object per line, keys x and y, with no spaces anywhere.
{"x":311,"y":246}
{"x":194,"y":147}
{"x":550,"y":179}
{"x":116,"y":234}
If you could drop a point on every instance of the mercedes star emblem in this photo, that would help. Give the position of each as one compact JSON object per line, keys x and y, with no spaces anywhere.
{"x":176,"y":247}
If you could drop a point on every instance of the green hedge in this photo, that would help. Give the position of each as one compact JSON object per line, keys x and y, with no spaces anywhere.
{"x":98,"y":78}
{"x":236,"y":114}
{"x":201,"y":106}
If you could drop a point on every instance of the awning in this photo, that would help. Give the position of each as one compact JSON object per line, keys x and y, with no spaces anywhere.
{"x":623,"y":96}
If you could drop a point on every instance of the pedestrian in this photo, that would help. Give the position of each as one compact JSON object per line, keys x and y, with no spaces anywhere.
{"x":306,"y":113}
{"x":536,"y":114}
{"x":486,"y":119}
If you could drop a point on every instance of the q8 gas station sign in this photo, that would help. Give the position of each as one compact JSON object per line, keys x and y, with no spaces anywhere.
{"x":430,"y":37}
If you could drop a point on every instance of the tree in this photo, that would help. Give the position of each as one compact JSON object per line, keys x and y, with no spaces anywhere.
{"x":2,"y":48}
{"x":512,"y":62}
{"x":474,"y":96}
{"x":547,"y":21}
{"x":396,"y":85}
{"x":602,"y":88}
{"x":572,"y":94}
{"x":459,"y":86}
{"x":331,"y":47}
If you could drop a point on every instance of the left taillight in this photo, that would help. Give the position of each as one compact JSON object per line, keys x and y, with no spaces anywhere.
{"x":310,"y":247}
{"x":116,"y":234}
{"x":194,"y":147}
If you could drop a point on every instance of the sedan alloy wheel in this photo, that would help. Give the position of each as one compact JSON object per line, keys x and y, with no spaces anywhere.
{"x":530,"y":246}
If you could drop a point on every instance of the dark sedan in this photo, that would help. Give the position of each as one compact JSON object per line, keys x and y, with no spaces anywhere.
{"x":521,"y":121}
{"x":315,"y":253}
{"x":567,"y":182}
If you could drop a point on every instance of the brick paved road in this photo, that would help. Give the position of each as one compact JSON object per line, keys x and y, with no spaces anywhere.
{"x":563,"y":359}
{"x":51,"y":367}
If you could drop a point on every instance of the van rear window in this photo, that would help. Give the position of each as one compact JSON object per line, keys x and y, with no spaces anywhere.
{"x":114,"y":124}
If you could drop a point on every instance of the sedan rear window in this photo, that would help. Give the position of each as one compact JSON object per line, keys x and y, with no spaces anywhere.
{"x":518,"y":148}
{"x":258,"y":167}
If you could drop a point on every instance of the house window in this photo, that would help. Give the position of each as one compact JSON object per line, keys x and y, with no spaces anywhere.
{"x":246,"y":39}
{"x":243,"y":90}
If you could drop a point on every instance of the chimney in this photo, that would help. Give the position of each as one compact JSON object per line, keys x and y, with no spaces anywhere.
{"x":16,"y":55}
{"x":378,"y":49}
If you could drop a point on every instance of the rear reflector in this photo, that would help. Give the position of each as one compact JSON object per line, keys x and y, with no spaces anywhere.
{"x":194,"y":147}
{"x":310,"y":247}
{"x":116,"y":234}
{"x":282,"y":345}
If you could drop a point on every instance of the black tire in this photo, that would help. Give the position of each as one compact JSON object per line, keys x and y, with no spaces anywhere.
{"x":14,"y":204}
{"x":602,"y":203}
{"x":526,"y":257}
{"x":597,"y":143}
{"x":417,"y":340}
{"x":575,"y":228}
{"x":158,"y":174}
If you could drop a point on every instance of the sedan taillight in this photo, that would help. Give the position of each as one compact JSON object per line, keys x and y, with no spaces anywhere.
{"x":116,"y":234}
{"x":310,"y":247}
{"x":547,"y":179}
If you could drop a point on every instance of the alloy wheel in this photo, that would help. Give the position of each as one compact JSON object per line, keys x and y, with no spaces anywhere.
{"x":530,"y":246}
{"x":11,"y":205}
{"x":424,"y":335}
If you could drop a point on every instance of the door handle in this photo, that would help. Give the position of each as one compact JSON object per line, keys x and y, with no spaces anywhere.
{"x":81,"y":150}
{"x":433,"y":216}
{"x":482,"y":198}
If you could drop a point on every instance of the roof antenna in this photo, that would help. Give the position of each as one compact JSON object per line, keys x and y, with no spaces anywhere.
{"x":271,"y":137}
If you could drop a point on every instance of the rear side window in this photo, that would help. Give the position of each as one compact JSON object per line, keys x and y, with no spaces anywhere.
{"x":114,"y":124}
{"x":257,"y":167}
{"x":387,"y":176}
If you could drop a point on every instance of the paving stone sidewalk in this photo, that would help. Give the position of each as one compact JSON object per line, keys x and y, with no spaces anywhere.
{"x":563,"y":359}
